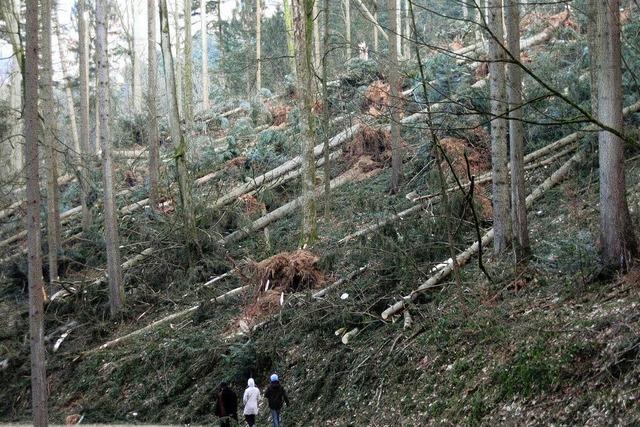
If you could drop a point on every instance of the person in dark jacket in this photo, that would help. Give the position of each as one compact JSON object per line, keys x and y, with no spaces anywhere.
{"x":226,"y":405}
{"x":276,"y":396}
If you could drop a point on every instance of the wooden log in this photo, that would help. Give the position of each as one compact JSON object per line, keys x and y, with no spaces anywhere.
{"x":323,"y":292}
{"x":160,"y":322}
{"x":463,"y":258}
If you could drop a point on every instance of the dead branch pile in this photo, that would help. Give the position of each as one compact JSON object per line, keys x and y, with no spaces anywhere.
{"x":251,"y":205}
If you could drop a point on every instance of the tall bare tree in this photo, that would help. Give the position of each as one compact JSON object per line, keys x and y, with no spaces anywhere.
{"x":258,"y":45}
{"x":85,"y":151}
{"x":347,"y":26}
{"x":618,"y":240}
{"x":499,"y":170}
{"x":68,"y":83}
{"x":112,"y":237}
{"x":154,"y":157}
{"x":180,"y":144}
{"x":50,"y":142}
{"x":288,"y":23}
{"x":325,"y":109}
{"x":392,"y":72}
{"x":303,"y":27}
{"x":188,"y":67}
{"x":516,"y":133}
{"x":204,"y":36}
{"x":135,"y":59}
{"x":36,"y":290}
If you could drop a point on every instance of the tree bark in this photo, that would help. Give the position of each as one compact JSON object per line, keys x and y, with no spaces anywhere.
{"x":618,"y":240}
{"x":67,"y":89}
{"x":347,"y":25}
{"x":516,"y":134}
{"x":258,"y":46}
{"x":49,"y":134}
{"x":288,"y":23}
{"x":177,"y":59}
{"x":221,"y":42}
{"x":83,"y":54}
{"x":184,"y":183}
{"x":188,"y":68}
{"x":36,"y":290}
{"x":396,"y":155}
{"x":498,"y":129}
{"x":325,"y":109}
{"x":112,"y":238}
{"x":316,"y":36}
{"x":204,"y":36}
{"x":135,"y":61}
{"x":154,"y":156}
{"x":303,"y":26}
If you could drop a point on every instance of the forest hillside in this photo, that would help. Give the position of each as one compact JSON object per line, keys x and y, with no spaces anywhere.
{"x":414,"y":212}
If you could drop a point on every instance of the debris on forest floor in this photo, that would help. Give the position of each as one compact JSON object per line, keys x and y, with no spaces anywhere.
{"x":236,"y":162}
{"x":251,"y":205}
{"x":376,"y":98}
{"x":273,"y":278}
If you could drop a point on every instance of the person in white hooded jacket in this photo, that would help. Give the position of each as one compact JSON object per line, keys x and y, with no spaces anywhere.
{"x":251,"y":400}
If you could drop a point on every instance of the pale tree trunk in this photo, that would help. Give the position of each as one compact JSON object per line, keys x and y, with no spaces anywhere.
{"x":135,"y":60}
{"x":221,"y":42}
{"x":112,"y":238}
{"x":347,"y":26}
{"x":71,"y":110}
{"x":592,"y":36}
{"x":188,"y":68}
{"x":325,"y":109}
{"x":95,"y":149}
{"x":154,"y":157}
{"x":51,"y":147}
{"x":516,"y":134}
{"x":85,"y":151}
{"x":288,"y":23}
{"x":407,"y":31}
{"x":618,"y":241}
{"x":499,"y":169}
{"x":184,"y":182}
{"x":396,"y":155}
{"x":177,"y":61}
{"x":34,"y":257}
{"x":465,"y":9}
{"x":205,"y":54}
{"x":316,"y":35}
{"x":303,"y":26}
{"x":376,"y":36}
{"x":258,"y":45}
{"x":15,"y":102}
{"x":398,"y":16}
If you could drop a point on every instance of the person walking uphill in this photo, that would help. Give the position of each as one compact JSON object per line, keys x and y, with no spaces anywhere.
{"x":251,"y":399}
{"x":226,"y":406}
{"x":277,"y":396}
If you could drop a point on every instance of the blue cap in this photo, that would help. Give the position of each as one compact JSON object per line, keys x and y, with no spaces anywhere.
{"x":274,"y":378}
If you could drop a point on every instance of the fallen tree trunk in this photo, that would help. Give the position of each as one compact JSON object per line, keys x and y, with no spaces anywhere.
{"x":286,"y":209}
{"x":19,"y":193}
{"x":174,"y":316}
{"x":463,"y":258}
{"x":323,"y":292}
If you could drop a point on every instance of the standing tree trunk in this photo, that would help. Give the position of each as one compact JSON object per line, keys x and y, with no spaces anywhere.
{"x":154,"y":157}
{"x":325,"y":110}
{"x":112,"y":238}
{"x":67,"y":89}
{"x":258,"y":46}
{"x":516,"y":134}
{"x":398,"y":16}
{"x":135,"y":61}
{"x":618,"y":240}
{"x":36,"y":289}
{"x":347,"y":26}
{"x":407,"y":31}
{"x":15,"y":103}
{"x":188,"y":68}
{"x":376,"y":36}
{"x":83,"y":53}
{"x":51,"y":158}
{"x":205,"y":54}
{"x":221,"y":42}
{"x":288,"y":23}
{"x":303,"y":25}
{"x":396,"y":155}
{"x":500,"y":172}
{"x":184,"y":182}
{"x":178,"y":61}
{"x":316,"y":35}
